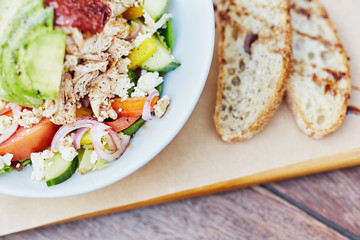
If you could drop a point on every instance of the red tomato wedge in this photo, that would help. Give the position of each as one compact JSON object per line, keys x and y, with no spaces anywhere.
{"x":132,"y":107}
{"x":122,"y":123}
{"x":29,"y":140}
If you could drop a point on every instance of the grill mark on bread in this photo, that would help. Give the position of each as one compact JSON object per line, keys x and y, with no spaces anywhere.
{"x":301,"y":11}
{"x":319,"y":86}
{"x":316,"y":38}
{"x":237,"y":69}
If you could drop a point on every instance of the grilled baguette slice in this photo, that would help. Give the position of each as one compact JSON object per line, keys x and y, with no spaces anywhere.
{"x":254,"y":62}
{"x":319,"y":85}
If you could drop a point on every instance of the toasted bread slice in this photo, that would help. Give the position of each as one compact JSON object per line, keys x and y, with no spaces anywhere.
{"x":319,"y":85}
{"x":254,"y":59}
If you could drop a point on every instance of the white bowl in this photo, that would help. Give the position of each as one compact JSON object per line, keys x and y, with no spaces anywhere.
{"x":193,"y":24}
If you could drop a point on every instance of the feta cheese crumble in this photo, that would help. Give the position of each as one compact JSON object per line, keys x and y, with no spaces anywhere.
{"x":28,"y":118}
{"x":161,"y":106}
{"x":94,"y":158}
{"x":5,"y":123}
{"x":5,"y":160}
{"x":66,"y":148}
{"x":147,"y":83}
{"x":150,"y":27}
{"x":38,"y":164}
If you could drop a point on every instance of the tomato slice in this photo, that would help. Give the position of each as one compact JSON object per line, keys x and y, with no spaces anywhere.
{"x":122,"y":123}
{"x":29,"y":140}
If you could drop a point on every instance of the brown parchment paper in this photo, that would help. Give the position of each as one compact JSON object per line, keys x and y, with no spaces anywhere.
{"x":196,"y":160}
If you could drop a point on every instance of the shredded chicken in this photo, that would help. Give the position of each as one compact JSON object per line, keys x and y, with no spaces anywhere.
{"x":95,"y":66}
{"x":118,"y":7}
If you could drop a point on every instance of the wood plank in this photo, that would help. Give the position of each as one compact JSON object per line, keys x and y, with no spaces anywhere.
{"x":243,"y":214}
{"x":334,"y":195}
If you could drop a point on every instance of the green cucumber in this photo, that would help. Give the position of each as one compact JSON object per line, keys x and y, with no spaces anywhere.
{"x":85,"y":164}
{"x":167,"y":33}
{"x":57,"y":170}
{"x":162,"y":60}
{"x":159,"y":88}
{"x":133,"y":128}
{"x":155,"y":8}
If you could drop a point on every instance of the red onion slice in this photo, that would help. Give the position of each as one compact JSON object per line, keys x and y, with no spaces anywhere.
{"x":65,"y":130}
{"x":78,"y":135}
{"x":100,"y":130}
{"x":134,"y":34}
{"x":9,"y":132}
{"x":146,"y":114}
{"x":16,"y":109}
{"x":111,"y":143}
{"x":125,"y":143}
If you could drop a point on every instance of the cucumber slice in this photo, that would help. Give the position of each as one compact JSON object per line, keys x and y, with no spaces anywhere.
{"x":59,"y":170}
{"x":155,"y":8}
{"x":162,"y":60}
{"x":85,"y":165}
{"x":169,"y":35}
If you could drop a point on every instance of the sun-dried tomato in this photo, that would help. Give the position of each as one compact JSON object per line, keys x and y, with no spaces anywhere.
{"x":86,"y":15}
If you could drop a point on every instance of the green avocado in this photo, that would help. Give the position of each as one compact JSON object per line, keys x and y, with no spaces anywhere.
{"x":42,"y":61}
{"x":15,"y":82}
{"x":31,"y":54}
{"x":12,"y":15}
{"x":19,"y":43}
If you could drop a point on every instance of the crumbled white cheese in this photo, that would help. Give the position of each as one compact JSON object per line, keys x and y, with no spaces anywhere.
{"x":28,"y":118}
{"x":122,"y":86}
{"x":148,"y":81}
{"x":47,"y":154}
{"x":5,"y":123}
{"x":138,"y":93}
{"x":66,"y":148}
{"x":5,"y":160}
{"x":148,"y":20}
{"x":18,"y":165}
{"x":38,"y":164}
{"x":161,"y":106}
{"x":150,"y":27}
{"x":94,"y":158}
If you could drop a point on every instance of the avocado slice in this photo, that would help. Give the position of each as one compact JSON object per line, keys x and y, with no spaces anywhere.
{"x":14,"y":82}
{"x":19,"y":42}
{"x":12,"y":14}
{"x":42,"y":62}
{"x":32,"y":56}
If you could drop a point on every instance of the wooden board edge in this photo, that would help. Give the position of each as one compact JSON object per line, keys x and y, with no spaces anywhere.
{"x":329,"y":163}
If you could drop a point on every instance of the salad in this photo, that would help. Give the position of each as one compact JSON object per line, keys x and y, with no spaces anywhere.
{"x":78,"y":79}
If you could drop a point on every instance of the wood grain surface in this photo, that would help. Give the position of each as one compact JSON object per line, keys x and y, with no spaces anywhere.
{"x":323,"y":206}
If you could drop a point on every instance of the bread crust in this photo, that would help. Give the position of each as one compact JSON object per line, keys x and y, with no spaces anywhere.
{"x":300,"y":116}
{"x":223,"y":20}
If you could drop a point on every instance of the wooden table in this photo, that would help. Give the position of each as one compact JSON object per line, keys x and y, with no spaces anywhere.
{"x":324,"y":206}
